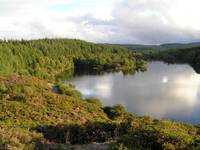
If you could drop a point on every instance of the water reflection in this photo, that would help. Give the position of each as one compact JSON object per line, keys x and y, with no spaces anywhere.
{"x":164,"y":91}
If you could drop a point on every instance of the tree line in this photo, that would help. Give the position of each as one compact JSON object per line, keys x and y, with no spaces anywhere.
{"x":189,"y":55}
{"x":47,"y":58}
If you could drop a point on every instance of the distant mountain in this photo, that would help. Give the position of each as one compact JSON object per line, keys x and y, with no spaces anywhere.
{"x":159,"y":47}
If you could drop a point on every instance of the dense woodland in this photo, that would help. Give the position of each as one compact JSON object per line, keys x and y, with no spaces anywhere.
{"x":39,"y":112}
{"x":49,"y":58}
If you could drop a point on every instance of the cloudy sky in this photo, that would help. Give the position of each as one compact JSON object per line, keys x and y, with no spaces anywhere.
{"x":107,"y":21}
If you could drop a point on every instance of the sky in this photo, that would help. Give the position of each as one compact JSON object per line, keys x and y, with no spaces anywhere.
{"x":102,"y":21}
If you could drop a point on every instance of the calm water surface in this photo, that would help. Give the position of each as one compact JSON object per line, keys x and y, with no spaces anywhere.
{"x":164,"y":91}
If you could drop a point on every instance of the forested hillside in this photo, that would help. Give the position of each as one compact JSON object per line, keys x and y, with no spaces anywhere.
{"x":188,"y":55}
{"x":50,"y":57}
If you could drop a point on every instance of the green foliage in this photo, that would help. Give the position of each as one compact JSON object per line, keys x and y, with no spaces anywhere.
{"x":67,"y":90}
{"x":48,"y":58}
{"x":165,"y":135}
{"x":115,"y":111}
{"x":189,"y":55}
{"x":3,"y":88}
{"x":16,"y":138}
{"x":33,"y":115}
{"x":94,"y":101}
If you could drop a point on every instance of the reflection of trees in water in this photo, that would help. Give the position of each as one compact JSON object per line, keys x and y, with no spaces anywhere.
{"x":196,"y":67}
{"x":81,"y":71}
{"x":89,"y":71}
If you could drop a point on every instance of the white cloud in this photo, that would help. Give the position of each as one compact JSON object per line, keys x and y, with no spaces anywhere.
{"x":158,"y":21}
{"x":117,"y":21}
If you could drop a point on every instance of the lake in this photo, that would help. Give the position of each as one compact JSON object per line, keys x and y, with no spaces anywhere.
{"x":163,"y":91}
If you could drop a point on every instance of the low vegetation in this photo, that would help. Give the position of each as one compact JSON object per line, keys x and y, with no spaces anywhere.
{"x":37,"y":114}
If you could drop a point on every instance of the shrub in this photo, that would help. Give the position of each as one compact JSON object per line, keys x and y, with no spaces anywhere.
{"x":15,"y":138}
{"x":94,"y":101}
{"x":115,"y":111}
{"x":29,"y":90}
{"x":163,"y":135}
{"x":3,"y":88}
{"x":67,"y":90}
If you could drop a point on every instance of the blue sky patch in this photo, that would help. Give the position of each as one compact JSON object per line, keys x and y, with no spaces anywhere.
{"x":64,"y":7}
